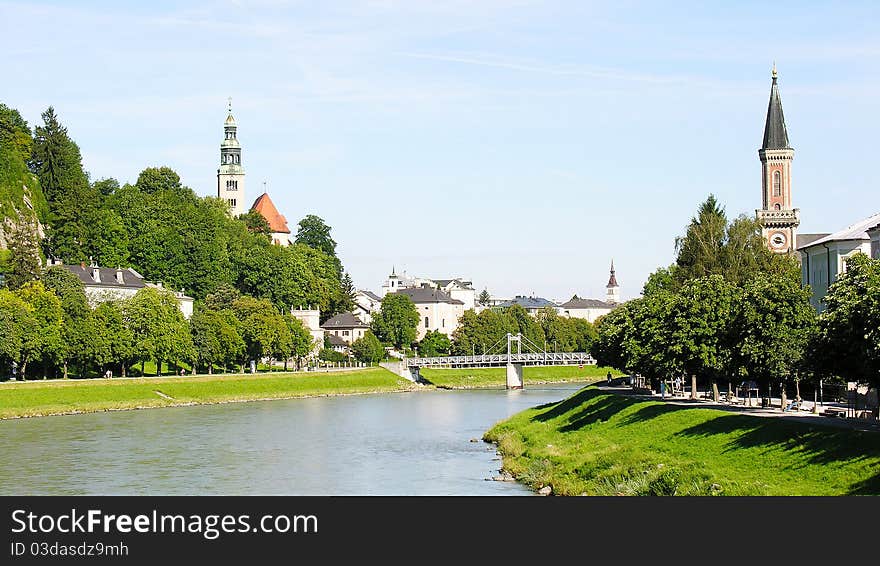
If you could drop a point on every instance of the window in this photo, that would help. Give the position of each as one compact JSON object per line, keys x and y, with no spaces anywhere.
{"x":426,"y":322}
{"x":443,"y":322}
{"x":345,"y":332}
{"x":777,"y":184}
{"x":776,"y":206}
{"x":232,"y":202}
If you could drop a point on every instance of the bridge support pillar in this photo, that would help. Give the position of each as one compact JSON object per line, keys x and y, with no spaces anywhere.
{"x":514,"y":376}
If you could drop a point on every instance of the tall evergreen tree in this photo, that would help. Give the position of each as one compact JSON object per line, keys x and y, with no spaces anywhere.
{"x":24,"y":256}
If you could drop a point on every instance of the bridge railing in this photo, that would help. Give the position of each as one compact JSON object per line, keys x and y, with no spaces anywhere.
{"x":540,"y":358}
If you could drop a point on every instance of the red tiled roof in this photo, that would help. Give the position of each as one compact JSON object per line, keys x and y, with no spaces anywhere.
{"x":276,"y":220}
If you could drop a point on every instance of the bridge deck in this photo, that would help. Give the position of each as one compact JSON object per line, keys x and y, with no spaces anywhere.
{"x":488,"y":360}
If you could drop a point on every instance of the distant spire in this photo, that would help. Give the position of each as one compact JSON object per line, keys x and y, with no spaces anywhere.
{"x":230,"y":98}
{"x":392,"y":272}
{"x":612,"y":281}
{"x":775,"y":134}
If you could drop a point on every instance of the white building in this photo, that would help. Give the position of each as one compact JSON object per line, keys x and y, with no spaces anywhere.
{"x":823,"y":256}
{"x":458,"y":288}
{"x":588,"y":309}
{"x":437,"y":310}
{"x":345,"y":326}
{"x":103,"y":284}
{"x":366,"y":303}
{"x":311,"y":319}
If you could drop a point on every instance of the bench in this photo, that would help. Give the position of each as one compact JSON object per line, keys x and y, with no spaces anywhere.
{"x":832,"y":412}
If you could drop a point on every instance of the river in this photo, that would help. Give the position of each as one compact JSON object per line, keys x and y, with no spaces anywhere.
{"x":416,"y":443}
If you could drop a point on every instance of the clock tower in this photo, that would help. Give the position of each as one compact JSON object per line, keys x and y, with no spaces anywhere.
{"x":779,"y":221}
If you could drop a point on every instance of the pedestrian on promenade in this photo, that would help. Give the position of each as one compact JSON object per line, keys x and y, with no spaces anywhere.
{"x":608,"y":378}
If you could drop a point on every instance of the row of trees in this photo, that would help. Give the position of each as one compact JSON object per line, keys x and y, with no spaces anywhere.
{"x":728,"y":309}
{"x":47,"y":324}
{"x":162,"y":229}
{"x":396,"y":323}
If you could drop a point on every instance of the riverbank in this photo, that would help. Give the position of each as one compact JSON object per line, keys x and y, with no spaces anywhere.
{"x":60,"y":397}
{"x":63,"y":397}
{"x":601,"y":443}
{"x":477,"y":378}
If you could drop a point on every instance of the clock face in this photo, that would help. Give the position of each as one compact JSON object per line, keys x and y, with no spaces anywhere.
{"x":777,"y":240}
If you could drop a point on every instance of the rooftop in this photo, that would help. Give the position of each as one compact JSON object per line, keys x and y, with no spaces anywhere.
{"x":420,"y":295}
{"x":578,"y":303}
{"x":276,"y":220}
{"x":857,"y":231}
{"x":344,"y":320}
{"x":528,"y":302}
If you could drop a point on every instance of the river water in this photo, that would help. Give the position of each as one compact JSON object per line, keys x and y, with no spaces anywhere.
{"x":416,"y":443}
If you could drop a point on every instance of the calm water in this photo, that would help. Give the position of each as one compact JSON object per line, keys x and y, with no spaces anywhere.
{"x":389,"y":444}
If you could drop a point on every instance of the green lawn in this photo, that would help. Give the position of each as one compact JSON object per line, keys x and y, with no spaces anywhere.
{"x":496,"y":377}
{"x":599,"y":443}
{"x":56,"y":397}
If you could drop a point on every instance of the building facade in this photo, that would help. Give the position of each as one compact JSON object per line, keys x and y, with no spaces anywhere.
{"x":437,"y":310}
{"x":102,"y":284}
{"x":346,"y":327}
{"x":230,"y":175}
{"x":311,"y":319}
{"x":824,"y":258}
{"x":778,"y":219}
{"x":458,"y":288}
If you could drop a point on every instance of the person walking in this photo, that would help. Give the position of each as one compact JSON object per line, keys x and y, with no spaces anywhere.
{"x":608,"y":378}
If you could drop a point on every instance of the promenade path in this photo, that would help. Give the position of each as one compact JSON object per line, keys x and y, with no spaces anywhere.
{"x":805,"y":414}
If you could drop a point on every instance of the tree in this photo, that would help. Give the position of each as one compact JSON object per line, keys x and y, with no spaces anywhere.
{"x":57,"y":162}
{"x":256,"y":223}
{"x":156,"y":179}
{"x":771,"y":328}
{"x":44,"y":345}
{"x":114,"y":339}
{"x":396,"y":321}
{"x":24,"y":256}
{"x":435,"y":343}
{"x":314,"y":233}
{"x":699,"y":251}
{"x":158,"y":328}
{"x":17,"y":328}
{"x":78,"y":332}
{"x":368,"y":349}
{"x":849,"y":327}
{"x":301,"y":341}
{"x":484,"y":298}
{"x":223,"y":297}
{"x":262,"y":327}
{"x":216,"y":338}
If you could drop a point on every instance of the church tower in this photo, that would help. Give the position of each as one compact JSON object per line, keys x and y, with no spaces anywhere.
{"x":230,"y":175}
{"x":612,"y":290}
{"x":779,"y":221}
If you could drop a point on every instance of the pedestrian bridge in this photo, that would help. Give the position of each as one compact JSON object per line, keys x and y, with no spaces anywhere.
{"x":514,"y":359}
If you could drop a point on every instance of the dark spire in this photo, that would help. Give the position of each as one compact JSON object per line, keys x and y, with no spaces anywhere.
{"x":775,"y":134}
{"x":612,"y":281}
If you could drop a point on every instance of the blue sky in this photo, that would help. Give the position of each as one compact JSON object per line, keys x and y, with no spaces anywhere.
{"x":520,"y":144}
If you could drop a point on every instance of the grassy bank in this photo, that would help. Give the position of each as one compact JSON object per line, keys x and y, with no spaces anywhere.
{"x":22,"y":399}
{"x":598,"y":443}
{"x":469,"y":378}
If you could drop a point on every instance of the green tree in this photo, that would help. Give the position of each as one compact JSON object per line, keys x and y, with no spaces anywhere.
{"x":772,"y":327}
{"x":699,"y":251}
{"x":78,"y":333}
{"x":435,"y":343}
{"x":158,"y":328}
{"x":484,"y":298}
{"x":43,"y":346}
{"x":848,"y":342}
{"x":395,"y":323}
{"x":301,"y":341}
{"x":262,"y":327}
{"x":114,"y":338}
{"x":158,"y":179}
{"x":24,"y":256}
{"x":57,"y":162}
{"x":18,"y":327}
{"x":216,"y":338}
{"x":368,"y":348}
{"x":314,"y":233}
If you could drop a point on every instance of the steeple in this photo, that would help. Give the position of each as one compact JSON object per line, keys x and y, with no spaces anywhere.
{"x":230,"y":175}
{"x":775,"y":134}
{"x":779,"y":219}
{"x":612,"y":293}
